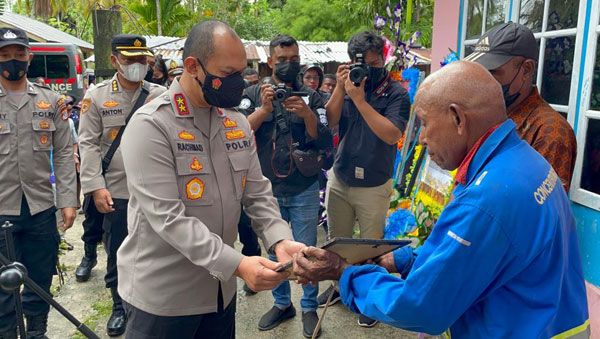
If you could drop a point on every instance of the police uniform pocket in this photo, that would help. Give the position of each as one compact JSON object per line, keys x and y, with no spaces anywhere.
{"x":240,"y":163}
{"x":112,"y":125}
{"x":4,"y":137}
{"x":43,"y":130}
{"x":194,"y":180}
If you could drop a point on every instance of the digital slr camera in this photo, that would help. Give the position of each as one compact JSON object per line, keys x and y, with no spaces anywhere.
{"x":283,"y":92}
{"x":358,"y":70}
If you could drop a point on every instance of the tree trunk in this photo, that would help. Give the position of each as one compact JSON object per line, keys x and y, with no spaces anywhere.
{"x":158,"y":18}
{"x":107,"y":23}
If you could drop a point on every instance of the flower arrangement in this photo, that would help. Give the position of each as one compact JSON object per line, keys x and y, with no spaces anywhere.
{"x":412,"y":213}
{"x":396,"y":53}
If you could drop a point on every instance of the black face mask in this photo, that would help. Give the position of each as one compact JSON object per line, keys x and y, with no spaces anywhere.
{"x":287,"y":71}
{"x":510,"y":99}
{"x":16,"y":69}
{"x":376,"y":74}
{"x":222,"y":92}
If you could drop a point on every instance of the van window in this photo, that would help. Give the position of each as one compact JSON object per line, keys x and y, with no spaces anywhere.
{"x":37,"y":68}
{"x":57,"y":66}
{"x":49,"y":67}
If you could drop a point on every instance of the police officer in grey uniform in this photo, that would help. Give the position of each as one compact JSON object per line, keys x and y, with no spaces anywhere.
{"x":33,"y":121}
{"x":191,"y":163}
{"x":104,"y":113}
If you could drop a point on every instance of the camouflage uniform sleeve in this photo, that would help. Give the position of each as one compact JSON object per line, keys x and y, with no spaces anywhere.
{"x":64,"y":163}
{"x":90,"y":132}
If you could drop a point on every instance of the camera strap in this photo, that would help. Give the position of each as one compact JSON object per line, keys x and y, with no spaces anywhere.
{"x":278,"y":123}
{"x":115,"y":144}
{"x":383,"y":86}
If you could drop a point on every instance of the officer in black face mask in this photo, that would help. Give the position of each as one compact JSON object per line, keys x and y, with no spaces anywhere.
{"x":33,"y":122}
{"x":193,"y":165}
{"x":371,"y":117}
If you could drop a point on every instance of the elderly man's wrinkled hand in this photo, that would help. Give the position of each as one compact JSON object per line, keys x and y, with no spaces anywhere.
{"x":312,"y":265}
{"x":285,"y":250}
{"x":387,"y":261}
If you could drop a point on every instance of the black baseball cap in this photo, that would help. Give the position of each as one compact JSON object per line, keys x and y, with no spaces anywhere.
{"x":13,"y":36}
{"x":503,"y":42}
{"x":130,"y":45}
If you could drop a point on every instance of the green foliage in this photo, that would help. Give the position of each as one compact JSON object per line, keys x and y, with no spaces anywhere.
{"x":311,"y":20}
{"x":252,"y":21}
{"x":175,"y":19}
{"x":319,"y":20}
{"x":70,"y":19}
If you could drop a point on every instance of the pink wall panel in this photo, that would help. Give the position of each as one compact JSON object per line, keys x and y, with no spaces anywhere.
{"x":445,"y":30}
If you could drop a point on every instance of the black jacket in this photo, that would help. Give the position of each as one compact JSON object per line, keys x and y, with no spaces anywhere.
{"x":275,"y":153}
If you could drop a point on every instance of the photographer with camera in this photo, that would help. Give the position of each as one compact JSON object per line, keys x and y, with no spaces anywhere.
{"x":371,"y":110}
{"x":289,"y":138}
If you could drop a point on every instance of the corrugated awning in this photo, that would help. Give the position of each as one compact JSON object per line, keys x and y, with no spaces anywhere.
{"x":258,"y":50}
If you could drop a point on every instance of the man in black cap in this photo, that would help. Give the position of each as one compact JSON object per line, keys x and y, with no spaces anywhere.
{"x":33,"y":121}
{"x":105,"y":112}
{"x":509,"y":51}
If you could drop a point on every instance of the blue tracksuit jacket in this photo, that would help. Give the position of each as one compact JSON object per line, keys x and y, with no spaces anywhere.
{"x":501,"y":262}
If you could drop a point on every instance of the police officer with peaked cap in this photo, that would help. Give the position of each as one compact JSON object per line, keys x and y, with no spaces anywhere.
{"x":191,"y":163}
{"x":174,"y":69}
{"x":33,"y":121}
{"x":104,"y":113}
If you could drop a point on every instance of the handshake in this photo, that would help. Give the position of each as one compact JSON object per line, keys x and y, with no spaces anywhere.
{"x":306,"y":264}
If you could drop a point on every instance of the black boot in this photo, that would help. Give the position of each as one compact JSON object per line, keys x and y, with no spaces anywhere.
{"x":118,"y":320}
{"x":84,"y":270}
{"x":36,"y":326}
{"x":10,"y":334}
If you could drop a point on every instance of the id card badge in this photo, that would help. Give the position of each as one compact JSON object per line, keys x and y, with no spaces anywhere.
{"x":359,"y":173}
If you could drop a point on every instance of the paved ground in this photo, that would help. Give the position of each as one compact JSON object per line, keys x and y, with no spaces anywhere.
{"x":90,"y":302}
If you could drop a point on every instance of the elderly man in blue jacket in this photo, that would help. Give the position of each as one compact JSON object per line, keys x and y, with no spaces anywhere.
{"x":503,"y":259}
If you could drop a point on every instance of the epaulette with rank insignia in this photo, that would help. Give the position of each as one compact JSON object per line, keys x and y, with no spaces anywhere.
{"x":114,"y":85}
{"x":181,"y":104}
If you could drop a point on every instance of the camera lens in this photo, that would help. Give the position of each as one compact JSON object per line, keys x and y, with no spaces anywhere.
{"x":357,"y":74}
{"x":280,"y":94}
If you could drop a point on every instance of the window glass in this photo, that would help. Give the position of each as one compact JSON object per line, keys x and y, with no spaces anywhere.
{"x":558,"y":68}
{"x":595,"y":95}
{"x":495,"y":13}
{"x":590,"y":173}
{"x":58,"y":66}
{"x":562,"y":14}
{"x":532,"y":14}
{"x":37,"y":68}
{"x":474,"y":19}
{"x":469,"y":49}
